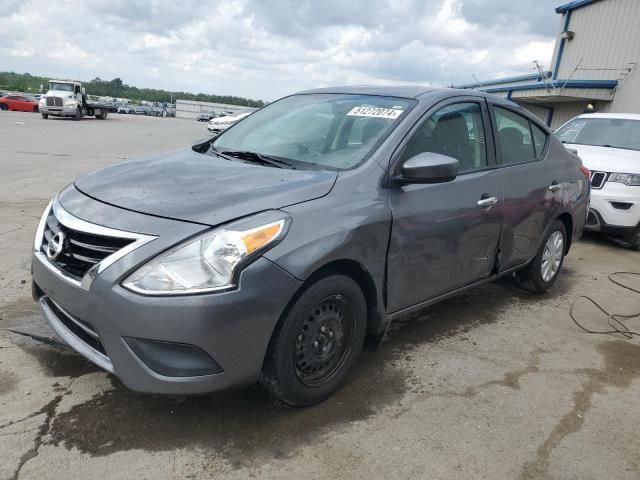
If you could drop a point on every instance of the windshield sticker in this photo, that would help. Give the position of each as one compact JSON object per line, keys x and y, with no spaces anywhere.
{"x":390,"y":113}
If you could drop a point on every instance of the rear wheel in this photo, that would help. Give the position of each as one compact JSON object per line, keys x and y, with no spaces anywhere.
{"x":317,"y":343}
{"x":45,"y":115}
{"x":4,"y":106}
{"x":542,"y":272}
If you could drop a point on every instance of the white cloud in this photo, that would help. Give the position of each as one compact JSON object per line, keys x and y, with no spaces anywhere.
{"x":269,"y":48}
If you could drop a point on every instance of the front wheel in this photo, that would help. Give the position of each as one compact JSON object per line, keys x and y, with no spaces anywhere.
{"x":317,"y":342}
{"x":634,"y":242}
{"x":542,"y":272}
{"x":45,"y":115}
{"x":78,"y":114}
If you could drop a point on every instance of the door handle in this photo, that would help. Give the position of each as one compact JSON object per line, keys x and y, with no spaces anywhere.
{"x":555,"y":186}
{"x":487,"y":202}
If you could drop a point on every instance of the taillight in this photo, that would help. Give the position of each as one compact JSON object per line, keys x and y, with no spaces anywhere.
{"x":585,"y":171}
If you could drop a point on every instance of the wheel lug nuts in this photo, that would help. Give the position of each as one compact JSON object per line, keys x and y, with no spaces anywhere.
{"x":299,"y":338}
{"x":330,"y":334}
{"x":315,"y":344}
{"x":323,"y":329}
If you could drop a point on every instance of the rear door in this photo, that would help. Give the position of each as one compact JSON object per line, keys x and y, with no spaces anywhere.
{"x":532,"y":183}
{"x":442,"y":238}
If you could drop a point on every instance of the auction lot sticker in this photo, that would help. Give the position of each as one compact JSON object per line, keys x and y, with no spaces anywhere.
{"x":391,"y":113}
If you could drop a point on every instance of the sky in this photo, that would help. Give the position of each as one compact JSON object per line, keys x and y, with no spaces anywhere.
{"x":265,"y":49}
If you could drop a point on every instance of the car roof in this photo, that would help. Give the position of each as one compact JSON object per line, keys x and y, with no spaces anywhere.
{"x":405,"y":91}
{"x":622,"y":116}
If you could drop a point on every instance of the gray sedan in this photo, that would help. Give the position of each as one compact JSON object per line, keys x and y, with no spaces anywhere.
{"x":270,"y":252}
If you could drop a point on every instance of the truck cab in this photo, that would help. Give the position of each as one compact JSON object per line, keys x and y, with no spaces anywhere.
{"x":67,"y":98}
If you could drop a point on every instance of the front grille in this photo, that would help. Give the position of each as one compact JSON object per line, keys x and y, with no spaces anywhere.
{"x":80,"y":250}
{"x":598,"y":179}
{"x":54,"y":101}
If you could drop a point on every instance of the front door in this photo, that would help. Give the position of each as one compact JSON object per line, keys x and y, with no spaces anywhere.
{"x":445,"y":236}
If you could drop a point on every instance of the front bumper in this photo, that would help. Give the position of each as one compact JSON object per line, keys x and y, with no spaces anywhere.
{"x":232,"y":328}
{"x":60,"y":111}
{"x":614,"y":209}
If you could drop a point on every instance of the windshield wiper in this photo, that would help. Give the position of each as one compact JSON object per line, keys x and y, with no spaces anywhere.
{"x":256,"y":157}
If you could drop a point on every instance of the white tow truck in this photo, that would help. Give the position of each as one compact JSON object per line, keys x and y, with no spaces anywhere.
{"x":67,"y":98}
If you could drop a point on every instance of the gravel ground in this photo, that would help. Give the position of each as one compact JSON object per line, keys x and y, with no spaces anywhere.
{"x":494,"y":384}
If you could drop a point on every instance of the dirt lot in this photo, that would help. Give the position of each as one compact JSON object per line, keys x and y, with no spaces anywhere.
{"x":496,"y":384}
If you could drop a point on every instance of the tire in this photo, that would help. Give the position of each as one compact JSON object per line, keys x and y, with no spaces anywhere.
{"x":634,"y":242}
{"x":303,"y":369}
{"x":4,"y":106}
{"x":78,"y":114}
{"x":542,"y":272}
{"x":45,"y":115}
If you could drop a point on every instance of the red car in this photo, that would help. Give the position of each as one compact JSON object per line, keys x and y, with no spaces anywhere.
{"x":18,"y":102}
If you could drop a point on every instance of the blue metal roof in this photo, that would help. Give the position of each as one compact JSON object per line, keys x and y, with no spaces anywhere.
{"x":567,"y":7}
{"x":606,"y":84}
{"x":518,"y":78}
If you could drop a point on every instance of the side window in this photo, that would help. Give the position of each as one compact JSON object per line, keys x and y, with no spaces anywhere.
{"x":514,"y":135}
{"x":539,"y":139}
{"x":457,"y":131}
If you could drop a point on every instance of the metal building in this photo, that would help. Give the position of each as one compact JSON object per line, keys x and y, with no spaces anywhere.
{"x":191,"y":108}
{"x":594,"y":65}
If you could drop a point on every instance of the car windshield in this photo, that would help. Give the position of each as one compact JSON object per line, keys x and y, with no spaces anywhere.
{"x":602,"y":132}
{"x":66,"y":87}
{"x":316,"y":131}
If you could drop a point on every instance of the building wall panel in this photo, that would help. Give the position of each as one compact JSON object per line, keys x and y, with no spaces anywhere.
{"x":607,"y":39}
{"x":191,"y":108}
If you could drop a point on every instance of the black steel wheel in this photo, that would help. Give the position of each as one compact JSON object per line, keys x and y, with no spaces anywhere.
{"x":317,"y":342}
{"x":324,"y":341}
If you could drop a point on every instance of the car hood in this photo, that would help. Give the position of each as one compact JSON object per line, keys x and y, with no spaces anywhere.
{"x":607,"y":159}
{"x":186,"y":185}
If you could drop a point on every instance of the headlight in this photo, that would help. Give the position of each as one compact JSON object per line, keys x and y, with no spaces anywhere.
{"x":207,"y":262}
{"x":632,"y":179}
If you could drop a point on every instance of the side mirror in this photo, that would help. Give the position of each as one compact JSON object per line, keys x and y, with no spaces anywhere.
{"x":428,"y":167}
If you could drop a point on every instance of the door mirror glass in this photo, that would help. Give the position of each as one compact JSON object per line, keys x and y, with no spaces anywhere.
{"x":429,"y":167}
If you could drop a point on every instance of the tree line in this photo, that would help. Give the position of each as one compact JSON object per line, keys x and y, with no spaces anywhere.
{"x":25,"y":82}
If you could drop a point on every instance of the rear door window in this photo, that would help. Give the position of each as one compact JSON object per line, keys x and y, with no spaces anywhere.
{"x":514,"y":137}
{"x":539,"y":139}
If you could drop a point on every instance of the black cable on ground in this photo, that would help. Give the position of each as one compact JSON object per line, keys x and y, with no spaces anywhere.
{"x":615,"y":320}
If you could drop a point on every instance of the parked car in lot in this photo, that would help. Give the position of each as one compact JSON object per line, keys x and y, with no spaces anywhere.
{"x":221,"y":123}
{"x":140,"y":109}
{"x":19,"y":103}
{"x":271,"y":251}
{"x":609,"y":145}
{"x":126,"y":109}
{"x":205,"y":116}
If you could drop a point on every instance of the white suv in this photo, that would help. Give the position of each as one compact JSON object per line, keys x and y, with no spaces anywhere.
{"x":609,"y":145}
